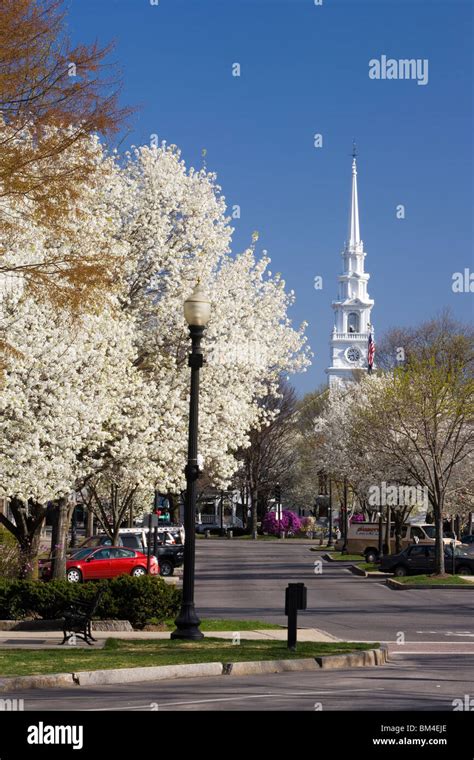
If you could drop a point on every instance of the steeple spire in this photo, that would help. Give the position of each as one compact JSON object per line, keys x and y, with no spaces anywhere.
{"x":349,"y":342}
{"x":354,"y":229}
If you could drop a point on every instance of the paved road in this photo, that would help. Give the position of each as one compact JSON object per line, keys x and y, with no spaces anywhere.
{"x":246,"y":579}
{"x":408,"y":682}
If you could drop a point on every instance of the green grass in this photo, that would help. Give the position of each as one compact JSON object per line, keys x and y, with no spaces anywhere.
{"x":425,"y":580}
{"x":369,"y":567}
{"x":348,"y":557}
{"x":120,"y":653}
{"x":216,"y":624}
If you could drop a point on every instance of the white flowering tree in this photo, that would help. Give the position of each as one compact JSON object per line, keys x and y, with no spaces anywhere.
{"x":349,"y":459}
{"x":175,"y":226}
{"x":339,"y":454}
{"x":57,"y":369}
{"x":421,"y":419}
{"x":54,"y":401}
{"x":100,"y":403}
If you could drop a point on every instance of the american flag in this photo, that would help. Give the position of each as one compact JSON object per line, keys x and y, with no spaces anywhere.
{"x":370,"y":353}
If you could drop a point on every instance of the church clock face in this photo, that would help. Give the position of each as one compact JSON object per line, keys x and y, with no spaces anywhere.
{"x":353,"y":354}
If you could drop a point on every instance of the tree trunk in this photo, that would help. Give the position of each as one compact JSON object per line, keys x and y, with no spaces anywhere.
{"x":252,"y":481}
{"x":29,"y":546}
{"x":398,"y":521}
{"x":457,"y":526}
{"x":64,"y":512}
{"x":388,"y":530}
{"x":54,"y":532}
{"x":438,"y":518}
{"x":243,"y":502}
{"x":89,"y":522}
{"x":27,"y":523}
{"x":73,"y":523}
{"x":254,"y":512}
{"x":174,"y":508}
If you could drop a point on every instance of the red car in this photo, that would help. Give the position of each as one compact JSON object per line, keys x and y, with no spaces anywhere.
{"x":104,"y":562}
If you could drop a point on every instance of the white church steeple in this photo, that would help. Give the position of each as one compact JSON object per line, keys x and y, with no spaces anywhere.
{"x":354,"y":228}
{"x":349,"y":339}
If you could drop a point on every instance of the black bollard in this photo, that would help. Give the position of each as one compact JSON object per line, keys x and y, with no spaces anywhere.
{"x":295,"y":599}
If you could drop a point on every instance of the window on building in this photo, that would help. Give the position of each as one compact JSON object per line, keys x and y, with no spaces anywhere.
{"x":353,"y":322}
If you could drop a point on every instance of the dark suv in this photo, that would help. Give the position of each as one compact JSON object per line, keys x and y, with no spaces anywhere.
{"x":419,"y":559}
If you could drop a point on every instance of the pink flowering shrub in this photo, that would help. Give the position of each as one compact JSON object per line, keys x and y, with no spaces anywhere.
{"x":289,"y":523}
{"x":358,"y":517}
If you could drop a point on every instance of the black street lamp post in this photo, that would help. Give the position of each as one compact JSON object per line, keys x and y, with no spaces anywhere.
{"x":380,"y":533}
{"x":197,"y":312}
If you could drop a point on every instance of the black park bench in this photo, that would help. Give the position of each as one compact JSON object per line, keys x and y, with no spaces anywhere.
{"x":77,"y":618}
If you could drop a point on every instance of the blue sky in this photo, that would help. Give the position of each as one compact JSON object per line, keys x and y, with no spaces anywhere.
{"x":304,"y":70}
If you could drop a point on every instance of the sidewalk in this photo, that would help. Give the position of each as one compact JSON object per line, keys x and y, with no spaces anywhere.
{"x":52,"y":639}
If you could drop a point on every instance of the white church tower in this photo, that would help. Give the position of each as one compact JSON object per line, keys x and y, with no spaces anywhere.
{"x":350,"y":336}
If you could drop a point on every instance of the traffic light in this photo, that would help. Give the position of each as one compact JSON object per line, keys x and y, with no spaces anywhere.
{"x":278,"y":493}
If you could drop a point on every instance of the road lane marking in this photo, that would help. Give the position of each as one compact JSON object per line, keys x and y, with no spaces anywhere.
{"x":450,"y":633}
{"x":231,"y":699}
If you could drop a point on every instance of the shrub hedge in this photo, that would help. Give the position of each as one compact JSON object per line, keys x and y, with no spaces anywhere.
{"x":124,"y":598}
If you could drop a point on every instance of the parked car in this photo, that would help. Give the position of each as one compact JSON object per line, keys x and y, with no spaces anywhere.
{"x":468,"y":539}
{"x":419,"y":559}
{"x":169,"y":556}
{"x":103,"y":562}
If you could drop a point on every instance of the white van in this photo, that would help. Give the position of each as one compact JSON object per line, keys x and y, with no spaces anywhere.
{"x":363,"y":538}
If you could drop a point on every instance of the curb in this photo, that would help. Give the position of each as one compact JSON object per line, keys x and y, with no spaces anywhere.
{"x":367,"y":573}
{"x":36,"y":682}
{"x":397,"y":586}
{"x":368,"y":658}
{"x":153,"y":673}
{"x":269,"y":666}
{"x":340,"y":560}
{"x":358,"y":571}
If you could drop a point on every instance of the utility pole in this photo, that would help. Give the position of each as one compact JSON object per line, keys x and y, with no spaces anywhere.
{"x":344,"y":547}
